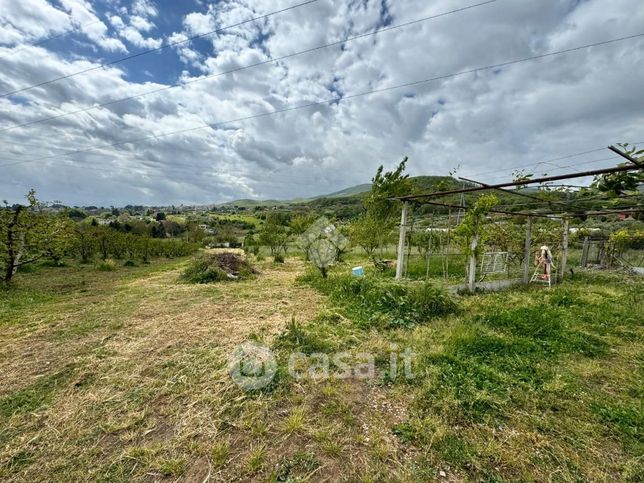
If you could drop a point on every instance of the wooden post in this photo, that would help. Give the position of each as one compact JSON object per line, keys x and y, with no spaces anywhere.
{"x":401,"y":242}
{"x":526,"y":252}
{"x":564,"y":252}
{"x":471,"y":273}
{"x":584,"y":252}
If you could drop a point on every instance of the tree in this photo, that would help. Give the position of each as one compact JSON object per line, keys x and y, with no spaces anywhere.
{"x":250,"y":244}
{"x":21,"y":240}
{"x":58,"y":237}
{"x":385,"y":186}
{"x":275,"y":236}
{"x":382,"y":211}
{"x":471,"y":232}
{"x":322,"y":253}
{"x":426,"y":242}
{"x":77,"y":214}
{"x":300,"y":223}
{"x":103,"y":241}
{"x":172,"y":228}
{"x":85,"y":242}
{"x":158,"y":231}
{"x":323,"y":243}
{"x":364,"y":233}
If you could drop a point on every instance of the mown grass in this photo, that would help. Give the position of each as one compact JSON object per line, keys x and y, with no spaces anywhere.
{"x":121,"y":376}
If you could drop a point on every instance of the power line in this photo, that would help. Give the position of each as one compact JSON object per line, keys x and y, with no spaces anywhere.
{"x":238,"y":69}
{"x":521,"y":182}
{"x":157,"y":49}
{"x":576,"y":165}
{"x":336,"y":99}
{"x":573,"y":155}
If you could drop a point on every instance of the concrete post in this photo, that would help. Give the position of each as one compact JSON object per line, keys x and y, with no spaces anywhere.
{"x":401,"y":242}
{"x":471,"y":272}
{"x":526,"y":252}
{"x":564,"y":251}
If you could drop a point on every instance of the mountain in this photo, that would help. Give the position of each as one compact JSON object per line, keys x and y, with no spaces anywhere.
{"x":345,"y":193}
{"x":355,"y":193}
{"x":351,"y":191}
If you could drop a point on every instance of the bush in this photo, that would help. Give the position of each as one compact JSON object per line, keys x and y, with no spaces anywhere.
{"x":108,"y":265}
{"x":218,"y":267}
{"x":373,"y":301}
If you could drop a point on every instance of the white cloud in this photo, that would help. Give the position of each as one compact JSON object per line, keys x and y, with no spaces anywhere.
{"x":137,"y":23}
{"x":30,"y":20}
{"x":133,"y":36}
{"x":521,"y":114}
{"x":117,"y":22}
{"x":199,"y":23}
{"x":141,"y":23}
{"x":144,"y":8}
{"x":91,"y":25}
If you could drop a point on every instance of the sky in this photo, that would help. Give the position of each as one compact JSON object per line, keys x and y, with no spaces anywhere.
{"x":207,"y":125}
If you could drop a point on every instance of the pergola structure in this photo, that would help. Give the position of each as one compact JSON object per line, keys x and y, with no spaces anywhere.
{"x":556,"y":209}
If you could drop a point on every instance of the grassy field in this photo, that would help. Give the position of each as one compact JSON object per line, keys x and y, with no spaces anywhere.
{"x":250,"y":219}
{"x":122,"y":375}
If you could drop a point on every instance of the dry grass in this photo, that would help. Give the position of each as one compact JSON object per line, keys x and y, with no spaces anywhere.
{"x":138,"y":368}
{"x":121,"y":376}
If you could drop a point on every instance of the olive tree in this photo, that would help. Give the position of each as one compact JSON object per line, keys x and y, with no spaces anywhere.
{"x":274,"y":235}
{"x":24,"y":233}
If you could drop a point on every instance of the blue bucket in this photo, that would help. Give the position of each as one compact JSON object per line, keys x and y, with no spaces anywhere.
{"x":357,"y":272}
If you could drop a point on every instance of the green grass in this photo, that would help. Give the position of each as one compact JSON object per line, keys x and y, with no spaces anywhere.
{"x":36,"y":395}
{"x":380,"y":301}
{"x":122,"y":375}
{"x":515,"y":363}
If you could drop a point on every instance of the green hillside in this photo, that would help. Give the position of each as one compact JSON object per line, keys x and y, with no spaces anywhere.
{"x":423,"y":184}
{"x":351,"y":191}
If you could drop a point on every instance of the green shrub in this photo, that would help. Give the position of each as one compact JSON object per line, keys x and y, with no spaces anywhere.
{"x":375,"y":301}
{"x":218,"y":267}
{"x":108,"y":265}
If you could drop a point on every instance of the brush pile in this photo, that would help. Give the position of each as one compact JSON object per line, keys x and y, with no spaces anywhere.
{"x":217,"y":267}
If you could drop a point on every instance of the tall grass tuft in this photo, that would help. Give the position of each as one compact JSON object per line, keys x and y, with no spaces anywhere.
{"x":384,"y":302}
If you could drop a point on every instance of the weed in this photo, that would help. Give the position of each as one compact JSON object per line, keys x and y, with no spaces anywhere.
{"x":332,"y":448}
{"x":220,"y":454}
{"x":295,"y":421}
{"x":300,"y":465}
{"x":108,"y":265}
{"x":381,"y":302}
{"x":256,"y":459}
{"x":172,"y":467}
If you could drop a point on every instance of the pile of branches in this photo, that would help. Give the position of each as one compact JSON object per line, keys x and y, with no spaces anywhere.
{"x":217,"y":267}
